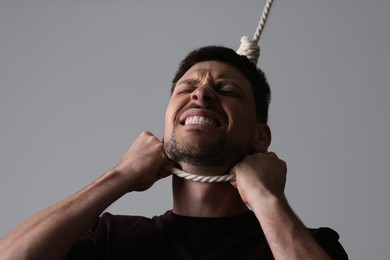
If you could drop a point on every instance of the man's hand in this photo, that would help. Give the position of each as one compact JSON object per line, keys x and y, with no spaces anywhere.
{"x":258,"y":176}
{"x":50,"y":233}
{"x":142,"y":165}
{"x":260,"y":180}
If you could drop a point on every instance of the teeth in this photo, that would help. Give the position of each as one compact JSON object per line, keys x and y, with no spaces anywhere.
{"x":199,"y":120}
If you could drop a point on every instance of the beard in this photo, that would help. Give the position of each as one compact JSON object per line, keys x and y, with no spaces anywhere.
{"x":217,"y":152}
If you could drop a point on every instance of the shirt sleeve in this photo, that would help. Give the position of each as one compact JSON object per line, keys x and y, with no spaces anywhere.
{"x":328,"y":239}
{"x":85,"y":247}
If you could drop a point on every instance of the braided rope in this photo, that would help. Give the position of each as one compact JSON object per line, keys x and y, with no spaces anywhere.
{"x":198,"y":178}
{"x":262,"y":21}
{"x":250,"y":48}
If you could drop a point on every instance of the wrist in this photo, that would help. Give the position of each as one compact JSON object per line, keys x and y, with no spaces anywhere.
{"x":264,"y":199}
{"x":116,"y":181}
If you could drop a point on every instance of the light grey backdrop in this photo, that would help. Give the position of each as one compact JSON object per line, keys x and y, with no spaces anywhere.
{"x":79,"y":80}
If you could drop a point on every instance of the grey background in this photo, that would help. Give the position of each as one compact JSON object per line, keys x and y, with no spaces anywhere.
{"x":79,"y":80}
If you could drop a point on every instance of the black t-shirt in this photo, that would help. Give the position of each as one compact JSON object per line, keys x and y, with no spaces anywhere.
{"x":172,"y":236}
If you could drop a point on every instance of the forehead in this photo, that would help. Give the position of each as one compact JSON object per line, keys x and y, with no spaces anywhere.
{"x":216,"y":70}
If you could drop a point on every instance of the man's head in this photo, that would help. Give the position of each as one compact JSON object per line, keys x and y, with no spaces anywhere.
{"x":215,"y":115}
{"x":260,"y":86}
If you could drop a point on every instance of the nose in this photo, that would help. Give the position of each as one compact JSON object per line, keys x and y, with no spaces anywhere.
{"x":203,"y":94}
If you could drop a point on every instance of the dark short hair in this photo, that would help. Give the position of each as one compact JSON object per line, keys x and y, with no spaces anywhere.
{"x":260,"y":86}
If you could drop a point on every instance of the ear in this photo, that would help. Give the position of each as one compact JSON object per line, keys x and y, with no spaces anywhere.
{"x":261,"y":138}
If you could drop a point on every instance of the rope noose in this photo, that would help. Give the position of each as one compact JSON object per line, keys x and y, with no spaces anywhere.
{"x":250,"y":49}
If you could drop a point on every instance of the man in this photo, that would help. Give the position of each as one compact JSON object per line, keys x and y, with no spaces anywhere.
{"x":216,"y":123}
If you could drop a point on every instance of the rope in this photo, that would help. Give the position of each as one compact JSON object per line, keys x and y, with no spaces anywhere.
{"x":250,"y":48}
{"x":198,"y":178}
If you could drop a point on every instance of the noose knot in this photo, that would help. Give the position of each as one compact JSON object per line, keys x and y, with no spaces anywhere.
{"x":250,"y":49}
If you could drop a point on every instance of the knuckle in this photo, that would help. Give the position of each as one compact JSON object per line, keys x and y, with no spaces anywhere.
{"x":146,"y":133}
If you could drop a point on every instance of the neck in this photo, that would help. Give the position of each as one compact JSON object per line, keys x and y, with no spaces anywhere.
{"x":205,"y":199}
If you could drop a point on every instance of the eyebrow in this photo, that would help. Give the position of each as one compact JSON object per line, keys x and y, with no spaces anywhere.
{"x":229,"y":81}
{"x":222,"y":78}
{"x":190,"y":81}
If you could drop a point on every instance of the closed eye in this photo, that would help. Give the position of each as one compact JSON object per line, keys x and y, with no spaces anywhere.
{"x":186,"y":86}
{"x":227,"y":93}
{"x":227,"y":88}
{"x":184,"y":90}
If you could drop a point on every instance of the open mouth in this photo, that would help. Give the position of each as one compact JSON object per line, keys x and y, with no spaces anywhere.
{"x":201,"y":120}
{"x":201,"y":117}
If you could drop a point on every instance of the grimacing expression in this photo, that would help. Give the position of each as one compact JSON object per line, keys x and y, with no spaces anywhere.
{"x":211,"y":116}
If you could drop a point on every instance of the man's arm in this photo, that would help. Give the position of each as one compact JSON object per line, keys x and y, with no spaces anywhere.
{"x":50,"y":233}
{"x":260,"y":180}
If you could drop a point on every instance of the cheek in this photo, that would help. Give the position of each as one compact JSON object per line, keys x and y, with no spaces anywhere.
{"x":242,"y":121}
{"x":170,"y":116}
{"x":168,"y":124}
{"x":240,"y":114}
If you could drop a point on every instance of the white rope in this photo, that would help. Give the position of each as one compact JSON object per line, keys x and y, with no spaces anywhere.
{"x":250,"y":48}
{"x":198,"y":178}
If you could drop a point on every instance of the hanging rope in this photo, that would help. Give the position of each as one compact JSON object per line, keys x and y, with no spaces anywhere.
{"x":250,"y":49}
{"x":198,"y":178}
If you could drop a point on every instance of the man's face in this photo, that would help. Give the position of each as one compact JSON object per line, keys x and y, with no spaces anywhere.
{"x":211,"y":116}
